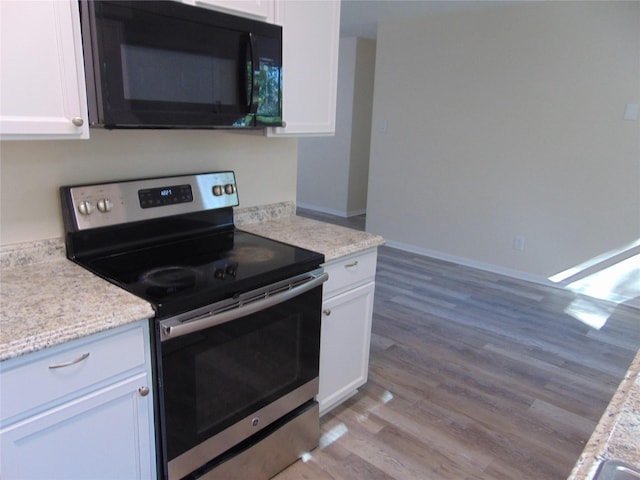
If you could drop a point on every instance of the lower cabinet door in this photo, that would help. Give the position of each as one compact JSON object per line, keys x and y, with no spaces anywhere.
{"x":103,"y":435}
{"x":344,"y":345}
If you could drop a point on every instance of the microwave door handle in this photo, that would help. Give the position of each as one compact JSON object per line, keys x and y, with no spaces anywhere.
{"x":173,"y":328}
{"x":251,"y":106}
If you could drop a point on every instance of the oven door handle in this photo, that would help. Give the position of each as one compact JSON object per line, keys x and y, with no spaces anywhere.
{"x":173,"y":328}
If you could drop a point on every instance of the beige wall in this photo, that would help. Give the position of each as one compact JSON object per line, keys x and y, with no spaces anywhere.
{"x":31,"y":171}
{"x":365,"y":63}
{"x":323,"y":162}
{"x":507,"y":122}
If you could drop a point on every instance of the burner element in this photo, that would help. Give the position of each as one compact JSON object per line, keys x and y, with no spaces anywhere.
{"x":172,"y":278}
{"x":251,"y":254}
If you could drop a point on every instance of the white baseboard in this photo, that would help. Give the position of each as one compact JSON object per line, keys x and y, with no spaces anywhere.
{"x":337,"y":213}
{"x":472,"y":263}
{"x":355,"y":213}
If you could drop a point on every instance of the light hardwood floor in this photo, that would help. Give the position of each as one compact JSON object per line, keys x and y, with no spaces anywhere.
{"x":473,"y":376}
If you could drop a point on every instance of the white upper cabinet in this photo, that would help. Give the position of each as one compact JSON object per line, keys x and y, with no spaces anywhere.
{"x":258,"y":9}
{"x":311,"y":32}
{"x":41,"y":71}
{"x":43,"y":94}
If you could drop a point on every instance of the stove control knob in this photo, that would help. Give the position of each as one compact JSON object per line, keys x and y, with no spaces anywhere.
{"x":230,"y":188}
{"x":85,"y":208}
{"x":218,"y":190}
{"x":105,"y":205}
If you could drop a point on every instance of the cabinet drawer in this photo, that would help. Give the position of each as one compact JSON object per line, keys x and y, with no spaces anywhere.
{"x":350,"y":271}
{"x":29,"y":382}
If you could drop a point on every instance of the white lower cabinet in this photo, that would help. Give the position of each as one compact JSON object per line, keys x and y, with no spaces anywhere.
{"x":91,"y":416}
{"x":347,"y":311}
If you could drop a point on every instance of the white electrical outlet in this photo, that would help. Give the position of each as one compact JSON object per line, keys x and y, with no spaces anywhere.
{"x":518,"y":243}
{"x":631,"y":111}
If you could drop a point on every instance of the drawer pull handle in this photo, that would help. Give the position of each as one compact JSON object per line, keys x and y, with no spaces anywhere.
{"x":327,"y":312}
{"x":351,"y":265}
{"x":72,"y":362}
{"x":143,"y":391}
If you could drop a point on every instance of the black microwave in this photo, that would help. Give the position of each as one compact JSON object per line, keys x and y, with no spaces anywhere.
{"x":164,"y":64}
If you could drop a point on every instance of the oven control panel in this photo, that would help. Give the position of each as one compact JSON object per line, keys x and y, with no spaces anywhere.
{"x":167,"y":195}
{"x":106,"y":204}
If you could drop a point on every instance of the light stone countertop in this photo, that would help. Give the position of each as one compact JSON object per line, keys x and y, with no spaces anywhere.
{"x":46,"y":300}
{"x":617,"y":435}
{"x":331,"y":240}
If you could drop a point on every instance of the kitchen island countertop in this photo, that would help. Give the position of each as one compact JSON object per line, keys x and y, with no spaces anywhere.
{"x":617,"y":435}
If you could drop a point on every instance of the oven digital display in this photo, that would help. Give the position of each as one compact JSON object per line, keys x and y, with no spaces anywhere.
{"x":159,"y":197}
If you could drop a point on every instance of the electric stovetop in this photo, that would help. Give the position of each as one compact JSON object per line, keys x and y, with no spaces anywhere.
{"x":190,"y":273}
{"x":172,"y":241}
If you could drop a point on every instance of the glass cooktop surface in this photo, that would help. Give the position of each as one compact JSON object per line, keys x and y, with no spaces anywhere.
{"x":189,"y":273}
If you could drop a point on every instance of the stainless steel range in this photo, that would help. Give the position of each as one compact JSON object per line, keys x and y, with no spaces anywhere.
{"x":237,"y":325}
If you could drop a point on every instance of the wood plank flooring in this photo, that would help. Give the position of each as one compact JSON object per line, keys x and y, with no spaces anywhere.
{"x":473,"y":375}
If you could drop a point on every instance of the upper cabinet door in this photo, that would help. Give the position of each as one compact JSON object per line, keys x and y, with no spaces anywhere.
{"x":258,"y":9}
{"x":41,"y":69}
{"x":311,"y":32}
{"x":43,"y":88}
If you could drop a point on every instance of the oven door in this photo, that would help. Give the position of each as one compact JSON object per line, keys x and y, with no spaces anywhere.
{"x":225,"y":376}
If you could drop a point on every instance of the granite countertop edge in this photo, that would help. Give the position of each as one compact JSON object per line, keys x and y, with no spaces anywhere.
{"x":333,"y":241}
{"x":617,"y":434}
{"x":47,"y":300}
